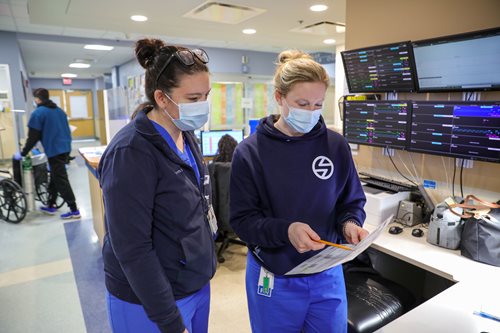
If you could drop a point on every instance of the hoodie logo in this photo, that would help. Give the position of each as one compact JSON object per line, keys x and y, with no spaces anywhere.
{"x":322,"y":167}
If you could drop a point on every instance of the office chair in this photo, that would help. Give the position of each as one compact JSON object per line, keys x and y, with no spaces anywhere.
{"x":372,"y":300}
{"x":220,"y":173}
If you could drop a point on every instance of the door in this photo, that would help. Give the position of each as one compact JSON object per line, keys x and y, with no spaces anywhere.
{"x":80,"y":112}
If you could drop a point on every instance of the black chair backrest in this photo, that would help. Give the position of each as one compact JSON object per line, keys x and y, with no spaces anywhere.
{"x":220,"y":174}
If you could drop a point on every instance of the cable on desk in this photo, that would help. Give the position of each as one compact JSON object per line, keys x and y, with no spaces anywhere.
{"x":415,"y":177}
{"x":446,"y":172}
{"x":453,"y":180}
{"x":462,"y":178}
{"x":414,"y":167}
{"x":411,"y":181}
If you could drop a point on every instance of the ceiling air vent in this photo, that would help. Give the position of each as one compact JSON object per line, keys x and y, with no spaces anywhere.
{"x":324,"y":28}
{"x":223,"y":13}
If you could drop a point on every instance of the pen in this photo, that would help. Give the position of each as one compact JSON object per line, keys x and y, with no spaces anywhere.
{"x":333,"y":244}
{"x":486,"y":315}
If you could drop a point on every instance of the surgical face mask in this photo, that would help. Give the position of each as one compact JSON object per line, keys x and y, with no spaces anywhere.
{"x":301,"y":120}
{"x":191,"y":115}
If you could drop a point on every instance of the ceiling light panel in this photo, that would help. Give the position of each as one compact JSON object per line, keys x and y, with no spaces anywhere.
{"x":138,"y":18}
{"x":79,"y":65}
{"x":318,"y":8}
{"x":98,"y":47}
{"x":223,"y":13}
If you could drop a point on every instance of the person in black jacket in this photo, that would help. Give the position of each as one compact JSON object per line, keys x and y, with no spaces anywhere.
{"x":158,"y":251}
{"x":49,"y":124}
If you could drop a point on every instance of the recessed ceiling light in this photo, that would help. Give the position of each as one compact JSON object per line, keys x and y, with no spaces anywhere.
{"x":79,"y":65}
{"x":68,"y":75}
{"x":318,"y":8}
{"x":98,"y":47}
{"x":329,"y":41}
{"x":249,"y":31}
{"x":138,"y":18}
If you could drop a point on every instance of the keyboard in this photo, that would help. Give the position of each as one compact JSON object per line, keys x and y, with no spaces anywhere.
{"x":384,"y":183}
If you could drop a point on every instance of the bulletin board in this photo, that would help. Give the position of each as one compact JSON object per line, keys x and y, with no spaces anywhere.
{"x":226,"y":108}
{"x":136,"y":93}
{"x":264,"y":103}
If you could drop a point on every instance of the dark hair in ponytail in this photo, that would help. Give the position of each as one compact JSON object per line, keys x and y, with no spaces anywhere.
{"x":43,"y":95}
{"x":152,"y":54}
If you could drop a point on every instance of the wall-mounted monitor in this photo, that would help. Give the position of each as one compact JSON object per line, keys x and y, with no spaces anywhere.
{"x":377,"y":123}
{"x":464,"y":62}
{"x":210,"y":140}
{"x":384,"y":68}
{"x":469,"y":130}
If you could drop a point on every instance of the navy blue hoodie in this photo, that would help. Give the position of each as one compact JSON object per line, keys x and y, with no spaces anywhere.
{"x":277,"y":180}
{"x":158,"y":247}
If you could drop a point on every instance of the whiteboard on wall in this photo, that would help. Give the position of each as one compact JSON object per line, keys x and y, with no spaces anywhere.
{"x":78,"y":106}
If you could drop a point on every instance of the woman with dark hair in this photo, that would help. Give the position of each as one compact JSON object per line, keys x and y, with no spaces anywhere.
{"x":158,"y":251}
{"x":225,"y":148}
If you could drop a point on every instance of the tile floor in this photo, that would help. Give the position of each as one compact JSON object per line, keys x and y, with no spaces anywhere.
{"x":51,"y":277}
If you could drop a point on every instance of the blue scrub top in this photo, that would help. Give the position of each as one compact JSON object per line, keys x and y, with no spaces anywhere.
{"x":54,"y":126}
{"x":186,"y":156}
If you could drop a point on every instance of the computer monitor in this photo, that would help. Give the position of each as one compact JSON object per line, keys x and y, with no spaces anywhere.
{"x":383,"y":68}
{"x":469,"y":61}
{"x":377,"y":123}
{"x":469,"y":130}
{"x":210,"y":140}
{"x":252,"y":125}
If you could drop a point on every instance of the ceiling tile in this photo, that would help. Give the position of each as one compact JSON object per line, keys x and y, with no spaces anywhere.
{"x":5,"y":9}
{"x":19,"y":10}
{"x":75,"y":32}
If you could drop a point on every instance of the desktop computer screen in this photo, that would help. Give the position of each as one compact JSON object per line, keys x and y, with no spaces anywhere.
{"x":252,"y":125}
{"x":377,"y":123}
{"x":469,"y":130}
{"x":210,"y":140}
{"x":384,"y":68}
{"x":469,"y":61}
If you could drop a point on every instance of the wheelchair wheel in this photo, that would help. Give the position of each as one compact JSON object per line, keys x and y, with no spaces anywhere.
{"x":42,"y":194}
{"x":13,"y":205}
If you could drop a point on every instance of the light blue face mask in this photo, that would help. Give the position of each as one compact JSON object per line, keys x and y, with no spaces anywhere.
{"x":191,"y":115}
{"x":302,"y":121}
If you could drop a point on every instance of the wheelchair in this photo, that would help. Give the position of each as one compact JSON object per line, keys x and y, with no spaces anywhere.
{"x":41,"y":177}
{"x":13,"y":201}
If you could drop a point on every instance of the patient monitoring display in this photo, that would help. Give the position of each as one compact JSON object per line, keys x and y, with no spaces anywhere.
{"x":377,"y":123}
{"x":457,"y":129}
{"x":460,"y":62}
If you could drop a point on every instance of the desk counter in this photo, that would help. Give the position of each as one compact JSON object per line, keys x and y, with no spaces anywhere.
{"x":477,"y":287}
{"x":92,"y":155}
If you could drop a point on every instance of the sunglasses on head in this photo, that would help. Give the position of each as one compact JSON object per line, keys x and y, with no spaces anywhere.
{"x":186,"y":57}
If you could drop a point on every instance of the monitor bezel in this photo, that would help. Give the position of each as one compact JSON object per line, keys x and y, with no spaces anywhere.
{"x":412,"y":64}
{"x":467,"y":157}
{"x":447,"y":39}
{"x":408,"y":119}
{"x":212,"y":131}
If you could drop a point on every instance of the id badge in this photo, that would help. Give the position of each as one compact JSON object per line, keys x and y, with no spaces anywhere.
{"x":212,"y":220}
{"x":265,"y":285}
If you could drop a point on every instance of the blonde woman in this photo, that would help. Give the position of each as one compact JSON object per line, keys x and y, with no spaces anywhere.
{"x":294,"y":183}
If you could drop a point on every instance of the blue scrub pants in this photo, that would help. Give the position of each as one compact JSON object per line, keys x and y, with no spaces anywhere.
{"x":312,"y":304}
{"x":127,"y":317}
